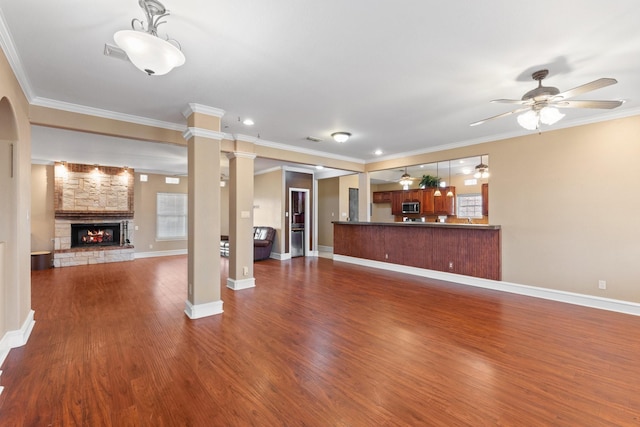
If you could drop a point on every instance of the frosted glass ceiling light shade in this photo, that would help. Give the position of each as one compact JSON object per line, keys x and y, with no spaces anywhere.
{"x":147,"y":51}
{"x":550,"y":115}
{"x":529,"y":120}
{"x":547,"y":115}
{"x":341,"y":136}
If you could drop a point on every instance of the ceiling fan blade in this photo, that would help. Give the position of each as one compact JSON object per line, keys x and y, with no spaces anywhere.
{"x":511,"y":101}
{"x":596,"y":84}
{"x":587,"y":104}
{"x":499,"y":116}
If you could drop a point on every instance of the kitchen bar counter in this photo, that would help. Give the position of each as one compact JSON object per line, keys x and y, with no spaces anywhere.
{"x":469,"y":249}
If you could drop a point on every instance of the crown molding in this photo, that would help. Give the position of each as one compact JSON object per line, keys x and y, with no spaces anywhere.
{"x":514,"y":134}
{"x":202,"y":109}
{"x":202,"y":133}
{"x":286,"y":147}
{"x":241,"y":137}
{"x":106,"y":114}
{"x":7,"y":45}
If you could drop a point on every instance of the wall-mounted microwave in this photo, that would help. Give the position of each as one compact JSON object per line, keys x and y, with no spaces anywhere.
{"x":410,"y":207}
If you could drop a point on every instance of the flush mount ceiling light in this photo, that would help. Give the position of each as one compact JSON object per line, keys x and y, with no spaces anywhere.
{"x":482,"y":170}
{"x":147,"y":51}
{"x":341,"y":136}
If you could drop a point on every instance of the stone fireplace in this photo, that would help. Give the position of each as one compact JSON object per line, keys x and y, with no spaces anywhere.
{"x":94,"y":215}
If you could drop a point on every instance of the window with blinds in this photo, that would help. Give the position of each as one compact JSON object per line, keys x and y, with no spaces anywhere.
{"x":171,"y":221}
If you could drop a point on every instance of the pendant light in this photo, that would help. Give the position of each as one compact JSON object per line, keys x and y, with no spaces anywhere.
{"x":437,"y":193}
{"x":148,"y":52}
{"x":449,"y":193}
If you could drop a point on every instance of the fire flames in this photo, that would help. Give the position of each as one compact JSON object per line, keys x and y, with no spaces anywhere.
{"x":97,"y":236}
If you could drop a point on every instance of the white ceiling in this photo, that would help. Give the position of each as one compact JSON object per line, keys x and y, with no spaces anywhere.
{"x":403,"y":77}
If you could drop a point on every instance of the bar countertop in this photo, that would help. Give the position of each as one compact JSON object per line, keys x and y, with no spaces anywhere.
{"x":423,"y":224}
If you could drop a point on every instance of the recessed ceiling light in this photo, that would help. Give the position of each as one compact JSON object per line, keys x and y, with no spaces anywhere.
{"x":319,"y":167}
{"x":248,"y":122}
{"x":378,"y":152}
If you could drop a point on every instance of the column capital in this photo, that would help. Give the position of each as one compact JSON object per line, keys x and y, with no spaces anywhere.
{"x":203,"y":133}
{"x":245,"y":138}
{"x":202,"y":109}
{"x":241,"y":155}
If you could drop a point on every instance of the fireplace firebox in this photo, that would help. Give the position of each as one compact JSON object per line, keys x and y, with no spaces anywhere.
{"x":91,"y":235}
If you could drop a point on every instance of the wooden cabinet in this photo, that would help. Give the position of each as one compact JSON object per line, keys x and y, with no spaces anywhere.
{"x":396,"y":202}
{"x":382,"y":196}
{"x":427,"y":205}
{"x":485,"y":199}
{"x":445,"y":205}
{"x":414,"y":195}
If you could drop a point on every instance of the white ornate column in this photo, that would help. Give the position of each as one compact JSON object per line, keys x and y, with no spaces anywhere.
{"x":203,"y":141}
{"x":241,"y":215}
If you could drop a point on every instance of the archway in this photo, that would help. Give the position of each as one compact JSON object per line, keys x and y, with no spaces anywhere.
{"x":8,"y":209}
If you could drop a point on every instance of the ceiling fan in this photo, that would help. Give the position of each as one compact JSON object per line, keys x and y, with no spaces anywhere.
{"x":540,"y":105}
{"x":406,"y":179}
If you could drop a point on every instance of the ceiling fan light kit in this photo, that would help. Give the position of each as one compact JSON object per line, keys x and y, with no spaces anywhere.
{"x":541,"y":104}
{"x":148,"y":52}
{"x":482,"y":170}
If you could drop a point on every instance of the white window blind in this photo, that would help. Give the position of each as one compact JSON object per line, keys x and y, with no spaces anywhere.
{"x":171,"y":211}
{"x":469,"y":206}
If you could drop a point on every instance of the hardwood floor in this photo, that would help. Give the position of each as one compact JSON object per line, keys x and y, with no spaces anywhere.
{"x":316,"y":343}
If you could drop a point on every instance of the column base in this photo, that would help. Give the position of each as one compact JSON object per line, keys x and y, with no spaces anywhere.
{"x":237,"y":285}
{"x":202,"y":310}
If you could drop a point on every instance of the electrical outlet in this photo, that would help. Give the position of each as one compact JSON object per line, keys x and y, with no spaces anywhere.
{"x":602,"y":284}
{"x":386,"y":256}
{"x":245,"y":271}
{"x":450,"y":265}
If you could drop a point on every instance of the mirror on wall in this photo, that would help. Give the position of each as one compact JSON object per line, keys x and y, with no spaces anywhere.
{"x":468,"y":176}
{"x":462,"y":170}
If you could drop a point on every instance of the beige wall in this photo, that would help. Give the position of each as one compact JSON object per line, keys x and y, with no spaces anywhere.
{"x":567,"y":204}
{"x":144,"y":203}
{"x":15,"y":193}
{"x":42,"y":207}
{"x":268,"y":204}
{"x":328,"y":209}
{"x":346,"y":182}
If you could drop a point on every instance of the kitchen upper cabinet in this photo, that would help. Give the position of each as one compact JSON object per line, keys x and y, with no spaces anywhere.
{"x":427,"y":204}
{"x":445,"y":205}
{"x":396,"y":202}
{"x":414,"y":195}
{"x":382,"y":196}
{"x":485,"y":199}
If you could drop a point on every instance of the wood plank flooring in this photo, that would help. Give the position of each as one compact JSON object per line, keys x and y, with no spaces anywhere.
{"x":316,"y":343}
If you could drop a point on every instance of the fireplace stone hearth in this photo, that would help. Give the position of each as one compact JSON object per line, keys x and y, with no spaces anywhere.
{"x":118,"y":250}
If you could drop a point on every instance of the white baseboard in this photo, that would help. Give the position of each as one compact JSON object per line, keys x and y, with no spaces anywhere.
{"x":280,"y":256}
{"x":159,"y":253}
{"x":609,"y":304}
{"x":18,"y":338}
{"x":325,"y":248}
{"x":240,"y":284}
{"x":198,"y":311}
